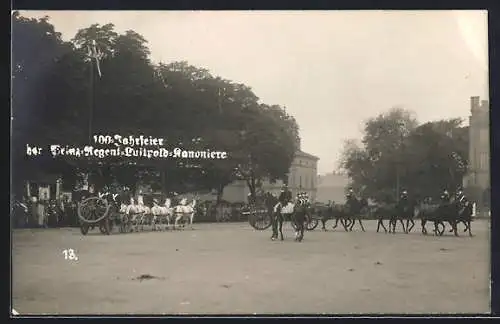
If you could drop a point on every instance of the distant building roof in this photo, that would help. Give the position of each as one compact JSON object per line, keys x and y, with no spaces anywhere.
{"x":304,"y":154}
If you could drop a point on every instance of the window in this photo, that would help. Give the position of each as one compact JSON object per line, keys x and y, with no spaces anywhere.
{"x":306,"y":182}
{"x":300,"y":181}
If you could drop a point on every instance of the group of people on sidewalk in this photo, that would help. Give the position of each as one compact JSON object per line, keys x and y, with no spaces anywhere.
{"x":42,"y":213}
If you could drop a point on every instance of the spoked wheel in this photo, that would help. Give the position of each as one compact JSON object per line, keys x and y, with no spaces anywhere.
{"x":259,"y":219}
{"x":93,"y":211}
{"x":312,"y":224}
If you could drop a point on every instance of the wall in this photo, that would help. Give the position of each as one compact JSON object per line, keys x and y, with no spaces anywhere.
{"x":332,"y":187}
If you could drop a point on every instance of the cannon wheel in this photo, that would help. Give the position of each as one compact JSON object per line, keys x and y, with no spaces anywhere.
{"x":310,"y":225}
{"x":94,"y":211}
{"x":259,"y":220}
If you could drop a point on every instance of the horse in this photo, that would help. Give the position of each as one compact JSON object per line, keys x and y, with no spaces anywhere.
{"x":386,"y":211}
{"x":162,"y":214}
{"x":465,"y":217}
{"x":406,"y":211}
{"x":145,"y":211}
{"x":393,"y":213}
{"x":339,"y":213}
{"x":438,"y":214}
{"x":134,"y":212}
{"x":349,"y":213}
{"x":184,"y":211}
{"x":298,"y":215}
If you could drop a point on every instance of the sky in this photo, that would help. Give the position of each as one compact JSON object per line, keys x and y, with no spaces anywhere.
{"x":332,"y":70}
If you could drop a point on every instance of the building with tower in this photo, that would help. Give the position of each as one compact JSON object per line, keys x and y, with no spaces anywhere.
{"x":477,"y":181}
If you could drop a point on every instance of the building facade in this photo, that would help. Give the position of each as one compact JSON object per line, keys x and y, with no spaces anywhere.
{"x":331,"y":187}
{"x":478,"y":175}
{"x":302,"y":177}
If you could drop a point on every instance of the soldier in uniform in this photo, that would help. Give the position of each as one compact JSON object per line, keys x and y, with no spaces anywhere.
{"x":284,"y":198}
{"x":403,"y":203}
{"x":460,"y":197}
{"x":403,"y":200}
{"x":445,"y":197}
{"x":350,"y":198}
{"x":462,"y":202}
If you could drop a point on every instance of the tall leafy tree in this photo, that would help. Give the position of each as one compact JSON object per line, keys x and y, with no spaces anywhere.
{"x":397,"y":153}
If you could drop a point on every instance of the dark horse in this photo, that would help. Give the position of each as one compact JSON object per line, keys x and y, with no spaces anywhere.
{"x":332,"y":211}
{"x":393,"y":213}
{"x":465,"y":217}
{"x":439,"y":214}
{"x":349,"y":213}
{"x":298,"y":217}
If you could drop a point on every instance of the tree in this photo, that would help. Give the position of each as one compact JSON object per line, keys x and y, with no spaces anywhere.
{"x":397,"y":154}
{"x":181,"y":103}
{"x":36,"y":50}
{"x":268,"y":146}
{"x":378,"y":166}
{"x":436,"y":159}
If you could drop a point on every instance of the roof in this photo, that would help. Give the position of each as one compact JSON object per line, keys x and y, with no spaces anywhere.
{"x":304,"y":154}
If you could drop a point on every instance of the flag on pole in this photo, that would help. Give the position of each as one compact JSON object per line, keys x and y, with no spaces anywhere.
{"x":94,"y":53}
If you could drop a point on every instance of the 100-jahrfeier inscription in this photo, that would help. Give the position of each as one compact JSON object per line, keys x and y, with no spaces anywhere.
{"x":125,"y":146}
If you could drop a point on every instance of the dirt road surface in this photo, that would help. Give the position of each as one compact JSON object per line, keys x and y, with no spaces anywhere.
{"x":233,"y":269}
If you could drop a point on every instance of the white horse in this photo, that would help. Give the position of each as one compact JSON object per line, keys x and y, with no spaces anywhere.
{"x":144,"y":210}
{"x":134,"y":212}
{"x":184,"y":211}
{"x":161,"y":214}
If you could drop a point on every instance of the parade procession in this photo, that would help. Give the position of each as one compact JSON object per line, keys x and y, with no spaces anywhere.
{"x":188,"y":163}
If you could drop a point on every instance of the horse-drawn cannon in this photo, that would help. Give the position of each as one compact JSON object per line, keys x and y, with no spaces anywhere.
{"x":260,"y":218}
{"x":95,"y":212}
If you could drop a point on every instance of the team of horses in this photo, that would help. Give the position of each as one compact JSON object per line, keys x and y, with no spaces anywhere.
{"x":438,"y":214}
{"x":348,"y":215}
{"x":132,"y":214}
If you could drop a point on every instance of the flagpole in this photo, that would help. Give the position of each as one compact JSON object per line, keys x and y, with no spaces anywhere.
{"x":91,"y":99}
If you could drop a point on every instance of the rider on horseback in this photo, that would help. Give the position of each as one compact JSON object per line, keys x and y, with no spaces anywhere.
{"x":403,"y":199}
{"x":461,"y":199}
{"x":350,"y":198}
{"x":445,"y":197}
{"x":284,"y":199}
